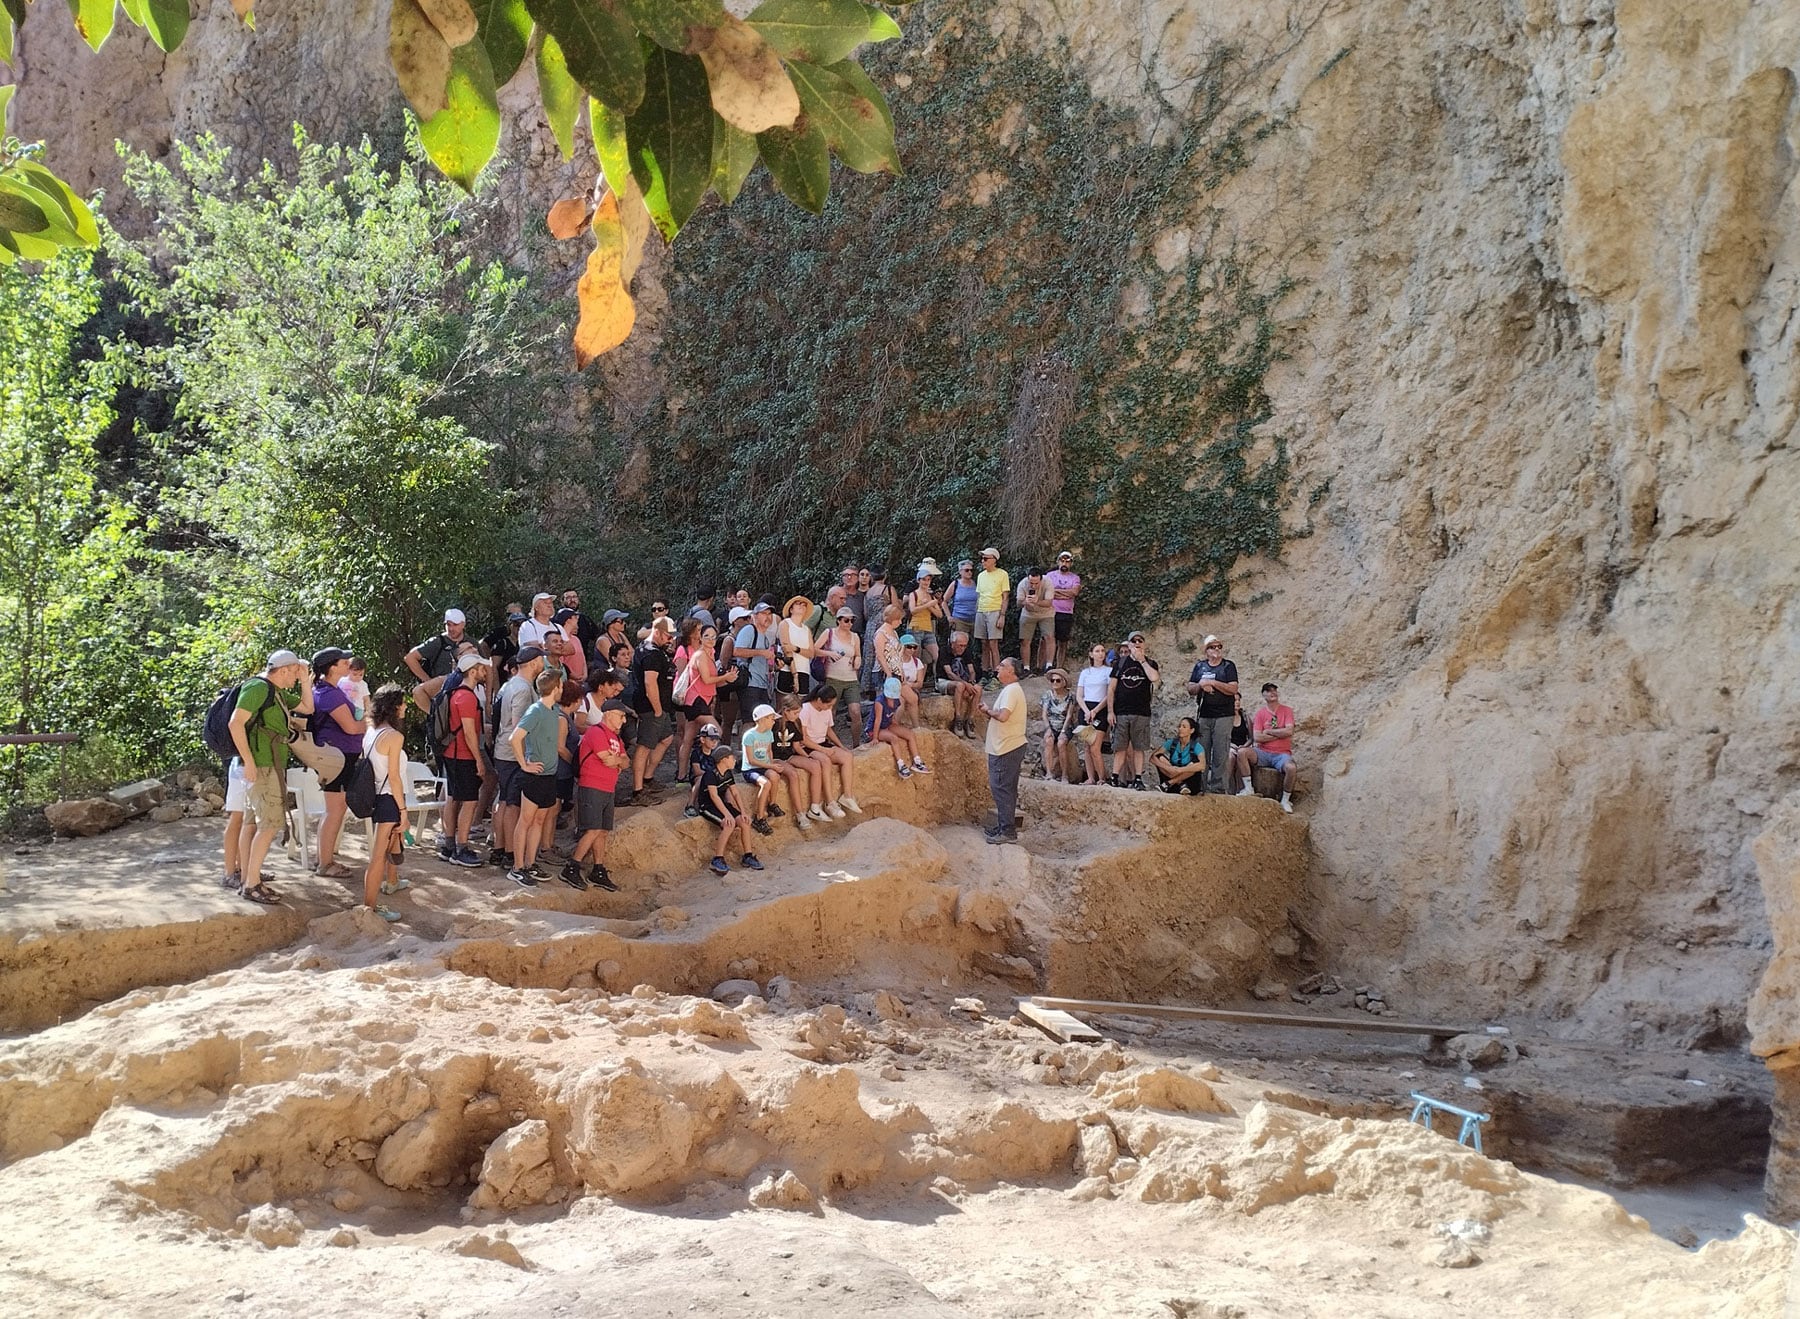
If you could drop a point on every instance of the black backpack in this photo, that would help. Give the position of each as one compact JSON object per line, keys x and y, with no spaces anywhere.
{"x":359,"y":793}
{"x":437,"y":717}
{"x":216,"y":730}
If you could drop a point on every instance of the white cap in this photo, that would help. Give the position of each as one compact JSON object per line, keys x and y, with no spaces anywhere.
{"x":1211,"y":641}
{"x":737,"y":612}
{"x":763,"y":712}
{"x":990,"y":553}
{"x":454,"y":616}
{"x":470,"y":661}
{"x":542,"y":595}
{"x":281,"y":659}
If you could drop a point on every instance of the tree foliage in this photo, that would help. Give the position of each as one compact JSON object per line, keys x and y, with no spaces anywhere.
{"x":328,"y":343}
{"x":693,"y":93}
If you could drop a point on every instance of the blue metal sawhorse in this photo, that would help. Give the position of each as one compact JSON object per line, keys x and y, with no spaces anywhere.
{"x":1471,"y":1128}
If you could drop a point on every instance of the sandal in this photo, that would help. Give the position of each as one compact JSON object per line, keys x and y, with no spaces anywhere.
{"x":386,"y":913}
{"x":336,"y":870}
{"x":260,"y":893}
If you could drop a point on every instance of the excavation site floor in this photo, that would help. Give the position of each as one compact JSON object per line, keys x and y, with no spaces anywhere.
{"x":543,"y":1101}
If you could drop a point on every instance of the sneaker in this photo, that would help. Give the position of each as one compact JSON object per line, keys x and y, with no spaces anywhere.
{"x":598,"y":878}
{"x":920,"y":767}
{"x":523,"y":878}
{"x":718,"y":866}
{"x":817,"y":812}
{"x":387,"y":914}
{"x":762,"y":827}
{"x":1246,"y":791}
{"x":849,"y":804}
{"x":1112,"y":781}
{"x":1287,"y":805}
{"x":903,"y":769}
{"x":536,"y":871}
{"x":803,"y":822}
{"x":464,"y":856}
{"x":1137,"y":785}
{"x":690,"y":812}
{"x":501,"y":858}
{"x":835,"y":811}
{"x":572,"y":876}
{"x":750,"y":862}
{"x":446,"y":849}
{"x":775,"y":812}
{"x":997,"y":836}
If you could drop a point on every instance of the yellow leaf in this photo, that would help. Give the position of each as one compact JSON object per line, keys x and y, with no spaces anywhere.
{"x":420,"y":56}
{"x":634,"y":215}
{"x":568,"y":217}
{"x":454,"y":20}
{"x":750,"y":89}
{"x":244,"y":9}
{"x":607,"y":312}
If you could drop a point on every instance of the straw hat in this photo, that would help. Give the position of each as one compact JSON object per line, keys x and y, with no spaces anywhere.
{"x":793,"y":600}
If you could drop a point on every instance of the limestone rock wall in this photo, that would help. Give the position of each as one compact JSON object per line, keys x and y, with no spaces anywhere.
{"x":1539,"y":632}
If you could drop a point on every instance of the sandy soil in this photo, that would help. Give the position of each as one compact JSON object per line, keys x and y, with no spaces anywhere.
{"x":506,"y":1105}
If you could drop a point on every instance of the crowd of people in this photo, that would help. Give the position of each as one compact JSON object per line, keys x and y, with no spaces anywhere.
{"x":554,"y":716}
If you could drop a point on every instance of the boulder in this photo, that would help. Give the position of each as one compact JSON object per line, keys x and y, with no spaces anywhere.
{"x":784,"y":1192}
{"x":516,"y":1170}
{"x":1003,"y":967}
{"x":735,"y":991}
{"x":86,"y":817}
{"x":168,"y":812}
{"x":138,"y":797}
{"x":272,"y":1225}
{"x":1478,"y":1050}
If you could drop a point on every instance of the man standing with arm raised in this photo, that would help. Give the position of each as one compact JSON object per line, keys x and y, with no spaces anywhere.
{"x":1005,"y":752}
{"x":436,"y":657}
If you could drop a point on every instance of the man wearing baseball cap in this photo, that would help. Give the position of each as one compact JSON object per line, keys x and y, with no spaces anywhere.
{"x":535,"y":628}
{"x":464,"y":764}
{"x":1213,"y":683}
{"x":259,"y":731}
{"x":516,"y":696}
{"x":992,"y":587}
{"x":436,"y":657}
{"x":754,"y":642}
{"x":1065,"y":585}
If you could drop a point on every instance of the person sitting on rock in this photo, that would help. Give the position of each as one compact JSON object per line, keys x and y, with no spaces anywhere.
{"x":762,"y":773}
{"x":821,"y":743}
{"x":706,"y":741}
{"x":1272,"y":747}
{"x":806,"y":781}
{"x":957,"y":679}
{"x":884,"y":726}
{"x":1059,"y":711}
{"x":1181,"y":763}
{"x":720,"y":804}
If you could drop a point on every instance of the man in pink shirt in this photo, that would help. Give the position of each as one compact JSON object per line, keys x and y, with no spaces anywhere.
{"x":1271,"y":746}
{"x":1065,"y":585}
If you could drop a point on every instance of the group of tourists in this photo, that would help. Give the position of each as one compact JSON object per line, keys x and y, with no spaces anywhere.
{"x":554,"y":716}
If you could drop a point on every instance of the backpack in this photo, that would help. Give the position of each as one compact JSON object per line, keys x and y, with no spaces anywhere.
{"x":437,"y":717}
{"x":359,"y":793}
{"x":216,"y":730}
{"x":686,"y":681}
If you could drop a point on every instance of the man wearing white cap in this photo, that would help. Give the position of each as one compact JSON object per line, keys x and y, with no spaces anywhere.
{"x":992,"y":588}
{"x":1065,"y":585}
{"x":534,"y":630}
{"x":259,"y":731}
{"x":436,"y":657}
{"x":1214,"y":685}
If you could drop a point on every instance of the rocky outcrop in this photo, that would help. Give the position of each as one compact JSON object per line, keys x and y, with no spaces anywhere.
{"x":1775,"y":1010}
{"x":1545,"y":371}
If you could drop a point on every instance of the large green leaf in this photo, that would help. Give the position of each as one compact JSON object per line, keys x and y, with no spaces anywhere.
{"x":6,"y":95}
{"x":6,"y":37}
{"x":670,"y":136}
{"x":562,"y":98}
{"x":852,"y":72}
{"x":20,"y":215}
{"x":600,"y":46}
{"x":882,"y":26}
{"x":462,"y":136}
{"x":93,"y":20}
{"x":853,"y":125}
{"x":799,"y":162}
{"x":669,"y":23}
{"x":506,"y":32}
{"x":166,"y":21}
{"x":818,"y":31}
{"x":79,"y":218}
{"x":610,"y":146}
{"x":734,"y":156}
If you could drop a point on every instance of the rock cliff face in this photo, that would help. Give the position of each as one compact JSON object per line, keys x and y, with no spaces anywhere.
{"x":1540,"y":636}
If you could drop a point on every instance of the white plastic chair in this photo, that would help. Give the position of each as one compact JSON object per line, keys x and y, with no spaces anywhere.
{"x":425,"y":793}
{"x":309,"y":803}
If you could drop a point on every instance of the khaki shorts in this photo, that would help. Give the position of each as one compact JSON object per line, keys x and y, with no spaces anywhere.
{"x":265,"y":801}
{"x":990,"y":625}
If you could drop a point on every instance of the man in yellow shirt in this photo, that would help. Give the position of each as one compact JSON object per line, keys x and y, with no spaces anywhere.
{"x":1005,"y":752}
{"x":992,"y":589}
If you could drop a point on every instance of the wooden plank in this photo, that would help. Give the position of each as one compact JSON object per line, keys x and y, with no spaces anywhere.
{"x":1377,"y":1025}
{"x":1059,"y":1026}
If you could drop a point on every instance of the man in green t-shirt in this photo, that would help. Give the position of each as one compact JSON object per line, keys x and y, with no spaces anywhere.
{"x":259,"y":730}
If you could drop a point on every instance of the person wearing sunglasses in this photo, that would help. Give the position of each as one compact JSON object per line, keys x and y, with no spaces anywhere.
{"x":959,"y":599}
{"x":1213,"y":684}
{"x":1058,"y":709}
{"x":1065,"y":585}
